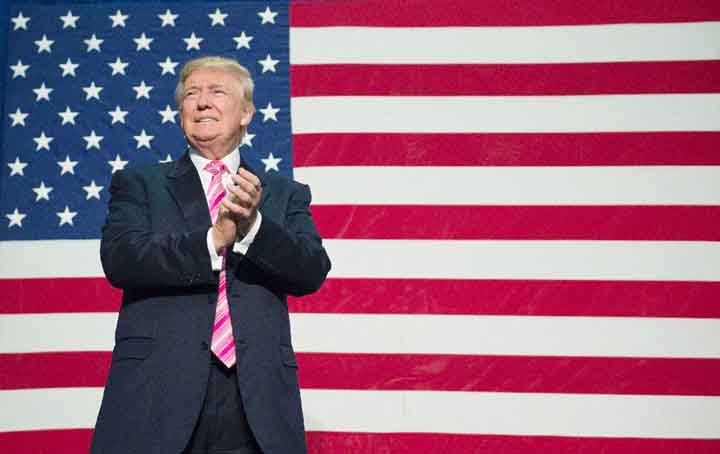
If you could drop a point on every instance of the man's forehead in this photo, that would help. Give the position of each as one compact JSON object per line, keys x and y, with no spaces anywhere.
{"x":208,"y":77}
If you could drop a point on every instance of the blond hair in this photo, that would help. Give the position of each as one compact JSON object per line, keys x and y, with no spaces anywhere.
{"x":232,"y":67}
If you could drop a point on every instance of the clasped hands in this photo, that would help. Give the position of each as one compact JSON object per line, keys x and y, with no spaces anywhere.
{"x":238,"y":209}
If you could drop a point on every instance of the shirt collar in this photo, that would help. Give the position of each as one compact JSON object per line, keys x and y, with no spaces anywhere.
{"x":231,"y":161}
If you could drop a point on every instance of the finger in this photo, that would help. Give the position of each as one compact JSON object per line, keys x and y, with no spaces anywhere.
{"x":238,"y":211}
{"x":249,"y":176}
{"x":238,"y":194}
{"x":245,"y":185}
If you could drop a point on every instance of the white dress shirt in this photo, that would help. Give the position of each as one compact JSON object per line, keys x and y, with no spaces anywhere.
{"x":232,"y":162}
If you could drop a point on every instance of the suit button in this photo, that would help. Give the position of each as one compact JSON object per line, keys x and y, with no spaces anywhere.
{"x":204,"y":345}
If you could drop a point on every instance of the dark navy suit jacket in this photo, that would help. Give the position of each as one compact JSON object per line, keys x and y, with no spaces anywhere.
{"x":154,"y":247}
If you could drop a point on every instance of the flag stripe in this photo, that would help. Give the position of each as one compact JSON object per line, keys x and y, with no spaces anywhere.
{"x":423,"y":13}
{"x":676,"y":223}
{"x":427,"y":412}
{"x":643,"y":376}
{"x":410,"y":334}
{"x":434,"y":443}
{"x":518,"y":79}
{"x":550,"y":44}
{"x":405,"y":185}
{"x":514,"y":297}
{"x":518,"y":259}
{"x":72,"y":441}
{"x":419,"y":296}
{"x":506,"y":114}
{"x":551,"y":149}
{"x":457,"y":259}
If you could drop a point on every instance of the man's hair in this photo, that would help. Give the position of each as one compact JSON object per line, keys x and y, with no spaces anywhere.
{"x":232,"y":67}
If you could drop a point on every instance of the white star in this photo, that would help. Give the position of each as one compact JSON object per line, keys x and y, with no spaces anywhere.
{"x":168,"y":66}
{"x":168,"y":115}
{"x":68,"y":116}
{"x":267,"y":16}
{"x":93,"y":191}
{"x":268,"y":64}
{"x":143,"y":140}
{"x":18,"y":117}
{"x":243,"y":40}
{"x":92,"y":140}
{"x":93,"y":43}
{"x":142,"y":90}
{"x":19,"y":69}
{"x":17,"y":167}
{"x":269,"y":113}
{"x":66,"y":217}
{"x":67,"y":166}
{"x":118,"y":20}
{"x":167,"y":159}
{"x":247,"y":139}
{"x":43,"y":141}
{"x":271,"y":163}
{"x":118,"y":67}
{"x":93,"y":91}
{"x":118,"y":115}
{"x":168,"y":18}
{"x":217,"y":18}
{"x":42,"y":92}
{"x":68,"y":68}
{"x":193,"y":42}
{"x":42,"y":191}
{"x":143,"y":42}
{"x":44,"y":44}
{"x":20,"y":22}
{"x":69,"y":20}
{"x":15,"y":218}
{"x":117,"y":164}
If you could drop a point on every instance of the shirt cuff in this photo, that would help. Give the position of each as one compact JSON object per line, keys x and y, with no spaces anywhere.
{"x":216,"y":261}
{"x":242,"y":246}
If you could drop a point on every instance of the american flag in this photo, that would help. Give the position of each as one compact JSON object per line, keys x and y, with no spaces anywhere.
{"x":521,"y":200}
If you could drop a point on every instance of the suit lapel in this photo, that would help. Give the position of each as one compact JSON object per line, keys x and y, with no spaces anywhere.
{"x":185,"y":186}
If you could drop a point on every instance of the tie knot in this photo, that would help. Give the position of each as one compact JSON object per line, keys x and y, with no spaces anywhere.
{"x":215,"y":167}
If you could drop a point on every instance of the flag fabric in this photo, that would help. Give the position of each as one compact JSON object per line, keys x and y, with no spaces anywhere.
{"x":521,"y":201}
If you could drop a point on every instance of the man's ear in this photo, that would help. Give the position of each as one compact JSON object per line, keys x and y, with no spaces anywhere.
{"x":248,"y":112}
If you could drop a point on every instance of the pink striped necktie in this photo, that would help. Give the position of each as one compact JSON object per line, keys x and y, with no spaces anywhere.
{"x":223,"y":342}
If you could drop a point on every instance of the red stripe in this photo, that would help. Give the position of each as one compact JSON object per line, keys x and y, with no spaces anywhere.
{"x":648,"y":223}
{"x":53,"y":370}
{"x":26,"y":296}
{"x":514,"y":297}
{"x":530,"y":374}
{"x":73,"y":441}
{"x":517,"y":374}
{"x":433,"y":443}
{"x":423,"y":13}
{"x":556,"y":149}
{"x":428,"y":296}
{"x":66,"y":441}
{"x":520,"y":79}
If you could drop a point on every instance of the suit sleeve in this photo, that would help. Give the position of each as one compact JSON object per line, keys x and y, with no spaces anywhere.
{"x":133,"y":256}
{"x":292,"y":254}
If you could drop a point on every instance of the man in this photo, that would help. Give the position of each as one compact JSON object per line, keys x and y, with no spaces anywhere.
{"x":206,"y":252}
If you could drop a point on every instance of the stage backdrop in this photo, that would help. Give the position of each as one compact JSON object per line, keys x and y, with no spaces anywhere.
{"x":521,"y":200}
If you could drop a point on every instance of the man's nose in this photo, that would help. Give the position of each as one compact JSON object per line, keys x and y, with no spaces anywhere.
{"x":203,"y":100}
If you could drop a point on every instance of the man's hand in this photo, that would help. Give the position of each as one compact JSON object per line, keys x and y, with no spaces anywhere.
{"x":238,"y":209}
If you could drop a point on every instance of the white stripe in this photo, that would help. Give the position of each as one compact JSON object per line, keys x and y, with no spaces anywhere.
{"x":50,"y":258}
{"x":479,"y":259}
{"x":31,"y":333}
{"x":554,"y":259}
{"x":455,"y":45}
{"x":54,"y":408}
{"x":422,"y":334}
{"x":505,"y":114}
{"x":507,"y":335}
{"x":512,"y":414}
{"x":620,"y":185}
{"x":426,"y":412}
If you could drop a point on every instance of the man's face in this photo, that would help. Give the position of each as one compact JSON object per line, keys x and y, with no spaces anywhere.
{"x":214,"y":113}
